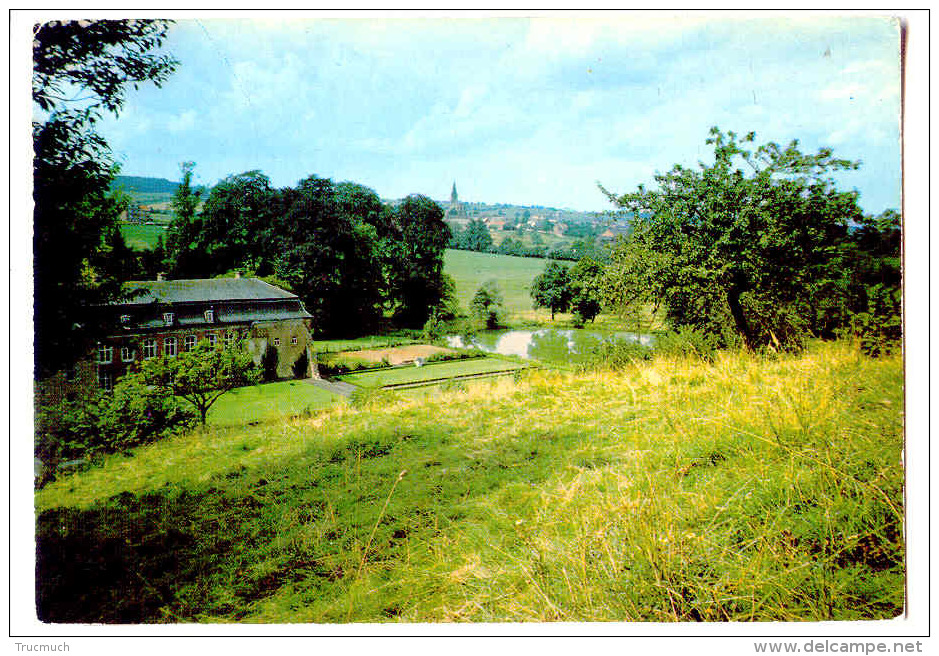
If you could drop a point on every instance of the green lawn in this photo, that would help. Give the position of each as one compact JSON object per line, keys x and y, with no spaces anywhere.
{"x":513,"y":275}
{"x":142,"y":237}
{"x":270,"y":401}
{"x":434,"y":371}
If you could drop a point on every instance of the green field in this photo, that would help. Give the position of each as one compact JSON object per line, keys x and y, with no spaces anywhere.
{"x":270,"y":401}
{"x":513,"y":274}
{"x":142,"y":237}
{"x":433,"y":371}
{"x":676,"y":490}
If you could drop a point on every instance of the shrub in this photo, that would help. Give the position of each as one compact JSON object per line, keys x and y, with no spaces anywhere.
{"x":433,"y":329}
{"x":269,"y":364}
{"x":880,"y":328}
{"x":487,"y":305}
{"x":301,"y":365}
{"x":132,"y":415}
{"x":690,"y":342}
{"x":67,"y":430}
{"x":137,"y":414}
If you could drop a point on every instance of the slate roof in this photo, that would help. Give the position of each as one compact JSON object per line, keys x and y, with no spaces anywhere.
{"x":202,"y":291}
{"x":231,"y":300}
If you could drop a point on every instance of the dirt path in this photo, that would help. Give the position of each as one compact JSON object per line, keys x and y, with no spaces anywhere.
{"x":398,"y":354}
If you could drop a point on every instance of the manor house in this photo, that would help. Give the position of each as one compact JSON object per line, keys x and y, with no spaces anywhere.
{"x":166,"y":317}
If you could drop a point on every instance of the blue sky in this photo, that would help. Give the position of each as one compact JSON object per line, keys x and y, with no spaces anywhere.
{"x":516,"y":110}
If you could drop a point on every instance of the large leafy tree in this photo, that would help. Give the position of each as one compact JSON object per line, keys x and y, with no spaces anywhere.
{"x":551,"y":289}
{"x":586,"y":289}
{"x":747,"y":245}
{"x":475,"y":237}
{"x":236,"y":224}
{"x":418,"y":283}
{"x":329,"y":254}
{"x":81,"y":70}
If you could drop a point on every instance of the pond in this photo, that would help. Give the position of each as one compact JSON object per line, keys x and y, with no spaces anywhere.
{"x":547,"y":344}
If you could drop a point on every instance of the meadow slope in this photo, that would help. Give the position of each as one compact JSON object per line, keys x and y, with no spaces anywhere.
{"x":675,"y":490}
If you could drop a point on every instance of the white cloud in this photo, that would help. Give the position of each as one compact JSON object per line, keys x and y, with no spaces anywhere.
{"x":470,"y":101}
{"x":842,"y":91}
{"x":182,"y":122}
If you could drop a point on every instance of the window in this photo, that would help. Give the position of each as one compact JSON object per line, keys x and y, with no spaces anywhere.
{"x":168,"y":318}
{"x":209,"y":316}
{"x":127,"y":354}
{"x":149,"y":349}
{"x":125,"y":318}
{"x":105,"y":353}
{"x":213,"y":340}
{"x":169,"y":347}
{"x":277,"y":341}
{"x":105,"y":380}
{"x":293,"y":340}
{"x":229,"y":340}
{"x":189,"y":342}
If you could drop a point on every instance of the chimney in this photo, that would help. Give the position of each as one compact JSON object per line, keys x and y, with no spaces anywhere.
{"x":161,"y":276}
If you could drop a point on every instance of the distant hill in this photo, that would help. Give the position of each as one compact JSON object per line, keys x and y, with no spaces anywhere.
{"x":142,"y":185}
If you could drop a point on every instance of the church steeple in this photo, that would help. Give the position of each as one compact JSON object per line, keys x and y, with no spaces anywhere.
{"x":455,"y":208}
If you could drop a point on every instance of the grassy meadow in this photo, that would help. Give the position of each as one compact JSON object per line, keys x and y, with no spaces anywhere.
{"x":514,"y":274}
{"x":674,"y":490}
{"x":142,"y":237}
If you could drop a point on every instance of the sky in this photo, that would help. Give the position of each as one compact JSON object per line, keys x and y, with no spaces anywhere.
{"x":515,"y":110}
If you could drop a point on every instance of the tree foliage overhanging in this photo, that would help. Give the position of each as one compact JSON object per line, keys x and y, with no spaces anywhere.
{"x":760,"y":247}
{"x":81,"y":69}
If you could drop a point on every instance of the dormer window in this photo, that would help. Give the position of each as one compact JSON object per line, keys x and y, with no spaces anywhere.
{"x":209,"y":316}
{"x":168,"y":318}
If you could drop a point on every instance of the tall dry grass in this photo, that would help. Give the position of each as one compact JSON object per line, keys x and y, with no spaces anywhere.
{"x":672,"y":490}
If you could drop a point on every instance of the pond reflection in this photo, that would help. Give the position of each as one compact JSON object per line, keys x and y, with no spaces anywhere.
{"x":548,"y":344}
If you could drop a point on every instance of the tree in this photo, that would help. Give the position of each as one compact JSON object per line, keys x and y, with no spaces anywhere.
{"x":511,"y":246}
{"x":185,"y":258}
{"x":551,"y":289}
{"x":73,"y":168}
{"x":487,"y":305}
{"x":332,"y":257}
{"x":201,"y":376}
{"x":418,"y":283}
{"x":476,"y":237}
{"x":585,"y":285}
{"x":633,"y":283}
{"x":236,"y":225}
{"x":744,"y":245}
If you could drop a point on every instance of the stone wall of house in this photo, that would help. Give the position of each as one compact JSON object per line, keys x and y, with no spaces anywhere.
{"x":291,"y":339}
